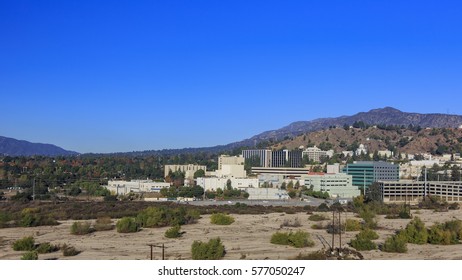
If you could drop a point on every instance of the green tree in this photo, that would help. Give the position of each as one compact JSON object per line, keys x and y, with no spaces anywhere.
{"x":199,"y":173}
{"x":455,"y":173}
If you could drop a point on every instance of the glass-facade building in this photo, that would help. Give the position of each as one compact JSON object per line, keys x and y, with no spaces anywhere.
{"x":365,"y":173}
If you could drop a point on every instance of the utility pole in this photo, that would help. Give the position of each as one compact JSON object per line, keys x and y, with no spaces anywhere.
{"x":340,"y":230}
{"x":157,"y":246}
{"x":33,"y":189}
{"x":333,"y":230}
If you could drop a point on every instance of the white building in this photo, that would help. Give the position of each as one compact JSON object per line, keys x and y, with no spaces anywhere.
{"x":230,"y":160}
{"x":267,"y":194}
{"x":348,"y":153}
{"x":212,"y":184}
{"x":135,"y":186}
{"x":361,"y":150}
{"x":316,"y":154}
{"x":333,"y":168}
{"x":230,"y":167}
{"x":188,"y":169}
{"x":386,"y":153}
{"x":337,"y":185}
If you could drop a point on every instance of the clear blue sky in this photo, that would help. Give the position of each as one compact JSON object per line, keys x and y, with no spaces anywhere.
{"x":115,"y":76}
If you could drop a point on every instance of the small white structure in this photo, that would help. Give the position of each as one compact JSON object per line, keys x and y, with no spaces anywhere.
{"x":361,"y":150}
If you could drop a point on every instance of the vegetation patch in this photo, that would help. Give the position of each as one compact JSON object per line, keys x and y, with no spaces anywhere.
{"x":162,"y":216}
{"x":395,"y":244}
{"x":299,"y":239}
{"x":69,"y":251}
{"x":211,"y":250}
{"x":103,"y":224}
{"x":81,"y":228}
{"x":46,"y":248}
{"x":416,"y":232}
{"x":32,"y":217}
{"x":174,"y":232}
{"x":291,"y":223}
{"x":317,"y":218}
{"x":127,"y":225}
{"x":31,"y":255}
{"x":352,"y":225}
{"x":24,"y":244}
{"x":221,"y":219}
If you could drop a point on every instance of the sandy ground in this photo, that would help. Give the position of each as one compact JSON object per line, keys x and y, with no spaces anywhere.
{"x":248,"y":237}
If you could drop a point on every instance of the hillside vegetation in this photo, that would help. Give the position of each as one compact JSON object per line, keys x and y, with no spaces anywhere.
{"x":407,"y":140}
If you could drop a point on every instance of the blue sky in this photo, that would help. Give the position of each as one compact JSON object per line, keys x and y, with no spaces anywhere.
{"x":115,"y":76}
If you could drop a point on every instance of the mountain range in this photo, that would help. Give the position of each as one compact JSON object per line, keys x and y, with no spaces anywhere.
{"x":13,"y":147}
{"x":382,"y":116}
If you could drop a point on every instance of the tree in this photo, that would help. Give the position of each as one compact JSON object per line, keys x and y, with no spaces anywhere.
{"x":197,"y":191}
{"x":229,"y":185}
{"x":455,"y":173}
{"x":199,"y":174}
{"x":373,"y":193}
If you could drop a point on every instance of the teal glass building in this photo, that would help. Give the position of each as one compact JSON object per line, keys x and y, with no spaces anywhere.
{"x":365,"y":173}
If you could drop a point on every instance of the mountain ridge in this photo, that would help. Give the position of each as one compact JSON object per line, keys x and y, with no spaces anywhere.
{"x":14,"y":147}
{"x":379,"y":116}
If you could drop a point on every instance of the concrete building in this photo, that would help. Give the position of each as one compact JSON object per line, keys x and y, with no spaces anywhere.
{"x":229,"y":167}
{"x":188,"y":169}
{"x":267,"y":194}
{"x":135,"y":186}
{"x":315,"y":154}
{"x":412,"y":192}
{"x":281,"y":158}
{"x":263,"y":156}
{"x":365,"y":173}
{"x":212,"y":184}
{"x":286,"y":172}
{"x":230,"y":160}
{"x":333,"y":168}
{"x":337,"y":185}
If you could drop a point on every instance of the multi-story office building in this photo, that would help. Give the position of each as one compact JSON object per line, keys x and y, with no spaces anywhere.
{"x":315,"y":154}
{"x":365,"y":173}
{"x":281,"y":158}
{"x":262,"y":156}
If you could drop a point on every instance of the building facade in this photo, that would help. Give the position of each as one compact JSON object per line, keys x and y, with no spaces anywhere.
{"x":135,"y":186}
{"x":412,"y":192}
{"x":268,"y":158}
{"x":337,"y":185}
{"x":365,"y":173}
{"x":214,"y":183}
{"x":262,"y":156}
{"x":188,"y":169}
{"x":315,"y":154}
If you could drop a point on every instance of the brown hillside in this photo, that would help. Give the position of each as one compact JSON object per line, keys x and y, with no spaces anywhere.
{"x":405,"y":140}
